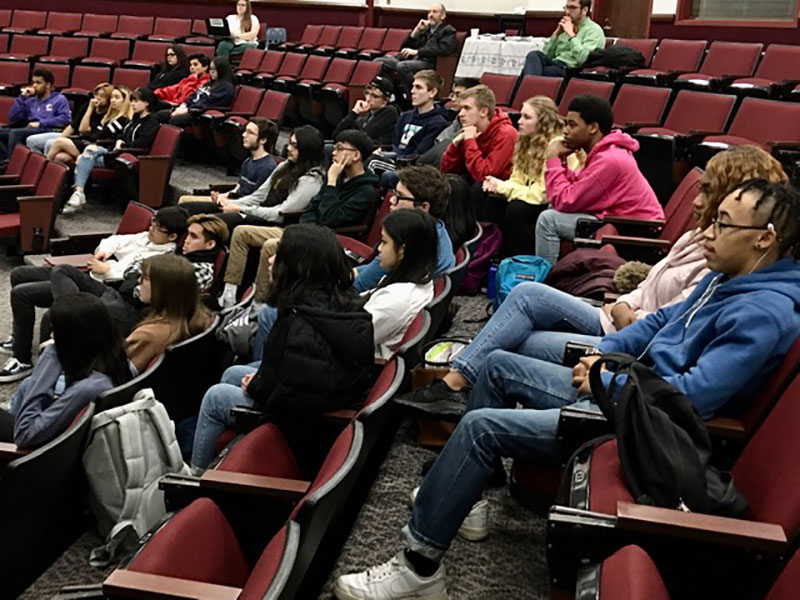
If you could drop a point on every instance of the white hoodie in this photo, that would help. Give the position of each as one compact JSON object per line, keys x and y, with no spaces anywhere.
{"x":393,"y":308}
{"x":126,"y":249}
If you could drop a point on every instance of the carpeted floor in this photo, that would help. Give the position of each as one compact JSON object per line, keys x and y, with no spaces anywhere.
{"x":509,"y":564}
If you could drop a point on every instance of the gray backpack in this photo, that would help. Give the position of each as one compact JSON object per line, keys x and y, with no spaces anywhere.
{"x":130,"y":447}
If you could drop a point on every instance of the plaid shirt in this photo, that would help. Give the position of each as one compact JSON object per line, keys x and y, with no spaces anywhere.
{"x":203,"y":271}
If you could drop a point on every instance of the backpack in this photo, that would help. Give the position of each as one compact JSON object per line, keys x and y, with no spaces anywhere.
{"x":516,"y":269}
{"x":616,"y":57}
{"x":129,"y":448}
{"x":663,"y":444}
{"x":238,"y":328}
{"x":478,"y":268}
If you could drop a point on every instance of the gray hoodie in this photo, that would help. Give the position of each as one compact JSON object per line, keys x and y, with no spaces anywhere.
{"x":307,"y":186}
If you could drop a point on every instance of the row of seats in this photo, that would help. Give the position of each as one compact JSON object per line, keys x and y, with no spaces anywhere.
{"x":348,"y":40}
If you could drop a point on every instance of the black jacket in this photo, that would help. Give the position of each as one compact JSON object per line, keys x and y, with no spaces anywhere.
{"x":169,"y":77}
{"x":430,"y":45}
{"x":140,"y":132}
{"x":314,"y":360}
{"x":378,"y":126}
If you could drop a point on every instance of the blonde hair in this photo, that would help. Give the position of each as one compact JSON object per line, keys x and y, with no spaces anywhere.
{"x":484,"y":97}
{"x":726,"y":170}
{"x":125,"y":110}
{"x":529,"y":149}
{"x":430,"y":78}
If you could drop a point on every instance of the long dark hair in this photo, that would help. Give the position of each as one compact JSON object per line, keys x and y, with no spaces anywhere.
{"x":87,"y":340}
{"x":414,"y":231}
{"x":224,"y":72}
{"x":183,"y":60}
{"x":459,"y":217}
{"x":310,"y":261}
{"x":310,"y":154}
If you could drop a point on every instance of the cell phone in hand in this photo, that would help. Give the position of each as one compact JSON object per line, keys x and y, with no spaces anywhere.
{"x":574,"y":351}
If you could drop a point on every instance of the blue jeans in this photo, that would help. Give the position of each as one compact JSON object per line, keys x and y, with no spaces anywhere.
{"x":266,"y":319}
{"x":490,"y":428}
{"x":86,"y":162}
{"x":552,"y":227}
{"x":215,"y":412}
{"x":11,"y":136}
{"x":535,"y":320}
{"x":538,"y":63}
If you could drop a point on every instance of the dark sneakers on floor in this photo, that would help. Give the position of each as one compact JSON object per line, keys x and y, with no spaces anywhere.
{"x":7,"y":346}
{"x":14,"y":370}
{"x":435,"y":399}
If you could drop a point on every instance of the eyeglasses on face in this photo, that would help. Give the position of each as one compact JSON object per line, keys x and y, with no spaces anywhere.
{"x":342,"y":147}
{"x":720,"y":227}
{"x":170,"y":53}
{"x":397,"y":197}
{"x":155,"y":227}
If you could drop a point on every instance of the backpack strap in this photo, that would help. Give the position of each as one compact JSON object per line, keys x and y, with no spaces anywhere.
{"x":618,"y":363}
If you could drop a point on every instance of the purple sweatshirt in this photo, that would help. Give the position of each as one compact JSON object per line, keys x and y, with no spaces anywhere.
{"x":52,"y":113}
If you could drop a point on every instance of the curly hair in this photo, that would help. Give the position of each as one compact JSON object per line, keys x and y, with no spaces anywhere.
{"x":726,"y":170}
{"x":529,"y":149}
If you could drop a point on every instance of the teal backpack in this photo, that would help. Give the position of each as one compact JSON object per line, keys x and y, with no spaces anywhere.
{"x":515,"y":270}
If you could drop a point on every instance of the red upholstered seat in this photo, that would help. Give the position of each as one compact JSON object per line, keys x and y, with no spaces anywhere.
{"x":266,"y":568}
{"x":606,"y":480}
{"x":640,"y":104}
{"x":264,"y":451}
{"x":215,"y":555}
{"x":659,"y":131}
{"x":730,"y":140}
{"x":576,"y":87}
{"x":535,"y":85}
{"x":9,"y":225}
{"x":502,"y":86}
{"x":630,"y":574}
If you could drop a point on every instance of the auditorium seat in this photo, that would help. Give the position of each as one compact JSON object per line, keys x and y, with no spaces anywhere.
{"x":327,"y":37}
{"x":391,"y":44}
{"x":645,"y":46}
{"x":147,"y":54}
{"x":84,"y":79}
{"x":26,"y":48}
{"x":372,"y":37}
{"x":199,"y":34}
{"x":270,"y":63}
{"x":13,"y":76}
{"x":310,"y":36}
{"x":272,"y":106}
{"x":249,"y":63}
{"x":576,"y":87}
{"x":12,"y":168}
{"x":28,"y":179}
{"x":307,"y":92}
{"x":67,"y":50}
{"x":61,"y":23}
{"x":4,"y":42}
{"x":170,"y":30}
{"x":133,"y":28}
{"x":107,"y":53}
{"x":638,"y":104}
{"x":97,"y":25}
{"x":60,"y":73}
{"x":724,"y":62}
{"x":313,"y":70}
{"x":5,"y":17}
{"x":535,"y":85}
{"x":779,"y":65}
{"x":337,"y":99}
{"x":502,"y":85}
{"x":348,"y":37}
{"x":443,"y":292}
{"x":130,"y":78}
{"x":26,"y":21}
{"x":291,"y":65}
{"x":460,"y":268}
{"x":672,"y":58}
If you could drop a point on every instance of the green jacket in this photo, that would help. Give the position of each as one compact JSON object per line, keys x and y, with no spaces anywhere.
{"x":344,"y":204}
{"x":574,"y":51}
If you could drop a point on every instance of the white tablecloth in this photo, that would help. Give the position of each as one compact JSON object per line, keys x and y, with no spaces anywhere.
{"x":489,"y":54}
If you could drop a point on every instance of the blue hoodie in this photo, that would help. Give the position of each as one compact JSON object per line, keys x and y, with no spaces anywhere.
{"x":724,"y":340}
{"x":52,"y":113}
{"x":415,"y":133}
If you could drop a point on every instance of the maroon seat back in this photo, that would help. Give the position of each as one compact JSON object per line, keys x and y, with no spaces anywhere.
{"x":85,"y":77}
{"x":69,"y":47}
{"x":763,"y":470}
{"x":374,"y":234}
{"x":394,"y":39}
{"x":29,"y":44}
{"x":116,"y":50}
{"x":28,"y":19}
{"x":207,"y":50}
{"x":134,"y":26}
{"x":372,"y":38}
{"x":535,"y":85}
{"x":311,"y":34}
{"x":678,"y":213}
{"x":131,"y":78}
{"x":246,"y":100}
{"x":149,"y":51}
{"x":172,"y":27}
{"x":33,"y":169}
{"x":365,"y":71}
{"x":273,"y":106}
{"x":640,"y":104}
{"x":60,"y":73}
{"x":502,"y":86}
{"x":646,"y":47}
{"x":679,"y":55}
{"x":731,"y":58}
{"x":765,"y":121}
{"x":19,"y":156}
{"x":329,"y":35}
{"x":61,"y":21}
{"x":780,"y":62}
{"x":630,"y":574}
{"x":271,"y":61}
{"x":15,"y":73}
{"x":52,"y":180}
{"x":788,"y":582}
{"x":699,"y":111}
{"x":199,"y":27}
{"x":415,"y":333}
{"x":136,"y":219}
{"x":251,"y":59}
{"x":314,"y":68}
{"x":778,"y":381}
{"x":3,"y":42}
{"x":247,"y":455}
{"x":271,"y":572}
{"x":292,"y":64}
{"x":384,"y":388}
{"x":576,"y":87}
{"x":99,"y":23}
{"x":349,"y":36}
{"x":5,"y":17}
{"x":166,"y":141}
{"x":340,"y":70}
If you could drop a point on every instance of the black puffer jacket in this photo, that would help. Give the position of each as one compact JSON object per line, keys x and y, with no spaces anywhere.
{"x":314,"y":360}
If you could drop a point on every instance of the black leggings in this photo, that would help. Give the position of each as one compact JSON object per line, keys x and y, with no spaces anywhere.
{"x":519,"y":225}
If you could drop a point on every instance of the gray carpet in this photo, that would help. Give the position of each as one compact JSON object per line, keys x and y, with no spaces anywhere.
{"x":509,"y":564}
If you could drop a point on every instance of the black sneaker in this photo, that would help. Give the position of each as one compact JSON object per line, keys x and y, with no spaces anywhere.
{"x":435,"y":399}
{"x":14,"y":370}
{"x":7,"y":346}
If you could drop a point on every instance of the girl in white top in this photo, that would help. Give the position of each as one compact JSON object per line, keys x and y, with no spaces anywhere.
{"x":408,"y":250}
{"x":244,"y":27}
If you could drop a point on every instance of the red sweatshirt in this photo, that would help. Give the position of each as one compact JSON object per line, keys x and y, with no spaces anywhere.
{"x":181,"y":91}
{"x":488,"y":154}
{"x":609,"y":183}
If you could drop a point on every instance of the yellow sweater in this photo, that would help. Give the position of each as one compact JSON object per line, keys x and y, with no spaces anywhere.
{"x":529,"y":187}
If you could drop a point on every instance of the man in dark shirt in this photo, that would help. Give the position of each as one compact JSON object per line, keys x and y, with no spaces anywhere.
{"x":374,"y":114}
{"x":431,"y":38}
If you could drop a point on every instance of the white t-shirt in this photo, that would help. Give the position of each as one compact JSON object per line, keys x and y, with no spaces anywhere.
{"x":392,"y":309}
{"x":234,"y":26}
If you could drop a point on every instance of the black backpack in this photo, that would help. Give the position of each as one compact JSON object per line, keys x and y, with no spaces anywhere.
{"x":663,"y":444}
{"x":616,"y":57}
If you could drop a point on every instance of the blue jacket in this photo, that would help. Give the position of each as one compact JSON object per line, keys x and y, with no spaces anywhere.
{"x":415,"y":133}
{"x":724,"y":340}
{"x":41,"y":413}
{"x":52,"y":113}
{"x":370,"y":274}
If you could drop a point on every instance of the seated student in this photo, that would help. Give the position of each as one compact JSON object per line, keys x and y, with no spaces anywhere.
{"x":717,"y":347}
{"x":523,"y":193}
{"x":175,"y":94}
{"x":173,"y":70}
{"x":31,"y":286}
{"x":205,"y":235}
{"x":109,"y":127}
{"x":429,"y":39}
{"x":139,"y":132}
{"x":290,"y":188}
{"x":417,"y":128}
{"x":85,"y":359}
{"x":374,"y":115}
{"x":244,"y":27}
{"x":82,"y":123}
{"x":37,"y":109}
{"x":537,"y":321}
{"x":433,"y":156}
{"x":610,"y":182}
{"x":217,"y":91}
{"x":169,"y":287}
{"x":571,"y":43}
{"x":318,"y":356}
{"x":485,"y":145}
{"x":258,"y":138}
{"x":427,"y":189}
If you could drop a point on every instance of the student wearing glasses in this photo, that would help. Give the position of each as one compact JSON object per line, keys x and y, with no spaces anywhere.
{"x":374,"y":115}
{"x":244,"y":27}
{"x":173,"y":70}
{"x":569,"y":46}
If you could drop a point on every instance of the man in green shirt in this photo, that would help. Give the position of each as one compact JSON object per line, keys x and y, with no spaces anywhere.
{"x":569,"y":46}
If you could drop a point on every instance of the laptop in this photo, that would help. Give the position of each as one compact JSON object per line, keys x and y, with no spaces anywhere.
{"x":217,"y":27}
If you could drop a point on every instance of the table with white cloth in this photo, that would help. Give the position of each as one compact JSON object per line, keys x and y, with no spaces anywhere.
{"x":494,"y":53}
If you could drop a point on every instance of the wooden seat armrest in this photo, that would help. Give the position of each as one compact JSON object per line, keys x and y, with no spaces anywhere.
{"x":17,"y":189}
{"x":134,"y":151}
{"x":615,"y":240}
{"x":246,"y":483}
{"x":23,"y":199}
{"x":634,"y":222}
{"x":8,"y":179}
{"x":9,"y":451}
{"x":760,"y":537}
{"x":131,"y":584}
{"x":726,"y":428}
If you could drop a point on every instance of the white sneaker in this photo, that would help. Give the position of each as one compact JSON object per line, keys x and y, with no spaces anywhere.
{"x":393,"y":580}
{"x":228,"y":296}
{"x":475,"y":526}
{"x":14,"y":370}
{"x":76,"y":200}
{"x":7,"y":346}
